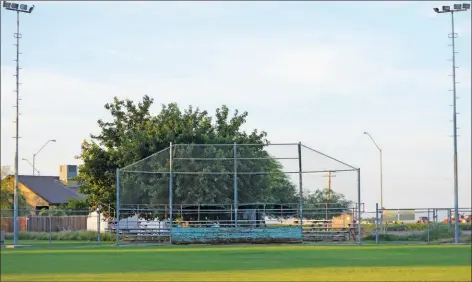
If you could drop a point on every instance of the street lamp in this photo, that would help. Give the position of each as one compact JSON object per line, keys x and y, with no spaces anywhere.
{"x":26,"y":160}
{"x":381,"y":173}
{"x":18,"y":8}
{"x":35,"y":154}
{"x":447,"y":9}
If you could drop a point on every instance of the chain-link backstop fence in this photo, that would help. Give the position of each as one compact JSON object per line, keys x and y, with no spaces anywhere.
{"x":221,"y":193}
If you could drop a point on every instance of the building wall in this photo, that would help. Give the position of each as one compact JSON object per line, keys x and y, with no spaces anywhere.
{"x":67,"y":172}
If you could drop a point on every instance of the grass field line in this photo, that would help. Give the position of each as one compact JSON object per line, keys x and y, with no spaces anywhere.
{"x":299,"y":274}
{"x":148,"y":249}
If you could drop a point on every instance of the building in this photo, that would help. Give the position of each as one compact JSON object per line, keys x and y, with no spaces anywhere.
{"x":46,"y":191}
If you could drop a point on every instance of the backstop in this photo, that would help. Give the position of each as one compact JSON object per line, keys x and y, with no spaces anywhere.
{"x":238,"y":193}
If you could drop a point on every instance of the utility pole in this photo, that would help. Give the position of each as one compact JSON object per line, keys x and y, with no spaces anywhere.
{"x":329,"y":175}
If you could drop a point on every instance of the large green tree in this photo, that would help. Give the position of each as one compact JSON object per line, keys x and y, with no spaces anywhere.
{"x":324,"y":202}
{"x":134,"y":133}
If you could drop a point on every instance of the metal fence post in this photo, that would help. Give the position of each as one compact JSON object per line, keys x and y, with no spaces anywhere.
{"x":300,"y":184}
{"x":117,"y":220}
{"x":429,"y":222}
{"x":359,"y":217}
{"x":235,"y":184}
{"x":50,"y":229}
{"x":98,"y":224}
{"x":170,"y":192}
{"x":377,"y":223}
{"x":449,"y":218}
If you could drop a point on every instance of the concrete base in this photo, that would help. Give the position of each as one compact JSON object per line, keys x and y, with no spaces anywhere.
{"x":16,"y":246}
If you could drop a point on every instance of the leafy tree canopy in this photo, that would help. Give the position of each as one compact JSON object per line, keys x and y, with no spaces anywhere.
{"x":134,"y":134}
{"x":323,"y":201}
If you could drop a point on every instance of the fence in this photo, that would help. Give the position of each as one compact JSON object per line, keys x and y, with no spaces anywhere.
{"x":416,"y":226}
{"x":237,"y":193}
{"x":54,"y":226}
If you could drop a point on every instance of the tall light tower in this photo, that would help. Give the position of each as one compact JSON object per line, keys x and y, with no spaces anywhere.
{"x":18,"y":8}
{"x":447,"y":9}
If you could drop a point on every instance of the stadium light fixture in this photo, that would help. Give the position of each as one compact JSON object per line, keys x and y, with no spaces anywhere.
{"x":23,"y":8}
{"x":455,"y":8}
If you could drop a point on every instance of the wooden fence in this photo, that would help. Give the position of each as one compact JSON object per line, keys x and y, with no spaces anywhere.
{"x":46,"y":223}
{"x":7,"y":224}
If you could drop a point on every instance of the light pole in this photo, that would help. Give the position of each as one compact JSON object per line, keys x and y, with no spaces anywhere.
{"x":26,"y":160}
{"x":447,"y":9}
{"x":23,"y":9}
{"x":381,"y":171}
{"x":35,"y":154}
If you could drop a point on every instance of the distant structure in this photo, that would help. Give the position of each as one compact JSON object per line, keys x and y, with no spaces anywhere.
{"x":67,"y":173}
{"x":6,"y":170}
{"x":42,"y":192}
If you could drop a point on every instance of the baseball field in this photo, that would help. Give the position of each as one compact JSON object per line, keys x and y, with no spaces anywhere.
{"x":83,"y":262}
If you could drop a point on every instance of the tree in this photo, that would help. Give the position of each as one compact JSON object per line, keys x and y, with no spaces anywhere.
{"x":74,"y":206}
{"x":321,"y":201}
{"x":52,"y":211}
{"x":134,"y":134}
{"x":7,"y":197}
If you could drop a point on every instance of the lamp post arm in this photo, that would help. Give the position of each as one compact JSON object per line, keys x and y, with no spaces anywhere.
{"x":373,"y":141}
{"x":41,"y":148}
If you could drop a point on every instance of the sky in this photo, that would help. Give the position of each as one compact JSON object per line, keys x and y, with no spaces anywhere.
{"x":320,"y":73}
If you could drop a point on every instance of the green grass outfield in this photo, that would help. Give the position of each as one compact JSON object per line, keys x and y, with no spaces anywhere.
{"x":81,"y":262}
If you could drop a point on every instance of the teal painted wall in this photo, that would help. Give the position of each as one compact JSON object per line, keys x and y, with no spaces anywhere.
{"x":218,"y":235}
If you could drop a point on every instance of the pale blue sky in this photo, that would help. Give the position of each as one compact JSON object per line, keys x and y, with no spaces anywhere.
{"x":317,"y":72}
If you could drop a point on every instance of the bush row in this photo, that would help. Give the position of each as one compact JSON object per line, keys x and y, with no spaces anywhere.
{"x":420,"y":226}
{"x":81,"y":235}
{"x":435,"y":234}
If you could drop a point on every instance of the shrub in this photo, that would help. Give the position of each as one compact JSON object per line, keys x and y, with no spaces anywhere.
{"x":79,"y":235}
{"x":436,"y":232}
{"x":422,"y":226}
{"x":384,"y":237}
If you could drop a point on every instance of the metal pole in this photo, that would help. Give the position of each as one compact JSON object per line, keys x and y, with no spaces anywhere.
{"x":235,"y":184}
{"x":50,"y":229}
{"x":98,"y":225}
{"x":377,"y":223}
{"x":117,"y":207}
{"x":429,"y":230}
{"x":359,"y":216}
{"x":15,"y":191}
{"x":449,"y":219}
{"x":381,"y":179}
{"x":170,"y":192}
{"x":35,"y":154}
{"x":300,"y":184}
{"x":454,"y":121}
{"x":34,"y":163}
